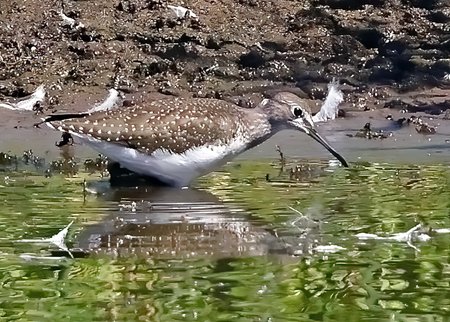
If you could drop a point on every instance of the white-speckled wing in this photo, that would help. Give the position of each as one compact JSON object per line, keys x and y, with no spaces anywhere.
{"x":173,"y":125}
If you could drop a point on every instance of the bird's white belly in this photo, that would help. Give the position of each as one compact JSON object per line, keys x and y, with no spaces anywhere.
{"x":172,"y":168}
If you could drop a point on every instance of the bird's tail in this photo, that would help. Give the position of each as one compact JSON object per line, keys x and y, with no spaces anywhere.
{"x":60,"y":117}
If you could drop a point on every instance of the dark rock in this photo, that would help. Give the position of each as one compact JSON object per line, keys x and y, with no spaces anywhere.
{"x":439,"y":16}
{"x":212,"y":43}
{"x":251,"y":3}
{"x":381,"y":69}
{"x":151,"y":68}
{"x":399,"y":105}
{"x":425,"y":4}
{"x":169,"y":91}
{"x":341,"y":113}
{"x":393,"y":48}
{"x":447,"y":115}
{"x":407,"y":82}
{"x":176,"y":51}
{"x":305,"y":18}
{"x":368,"y":133}
{"x":12,"y":90}
{"x":127,"y":6}
{"x":428,"y":54}
{"x":252,"y":59}
{"x":270,"y":93}
{"x":307,"y":76}
{"x":120,"y":37}
{"x":147,"y":38}
{"x":440,"y":68}
{"x":445,"y":45}
{"x":77,"y":75}
{"x":155,"y":4}
{"x":425,"y":129}
{"x":346,"y":50}
{"x":313,"y":90}
{"x":227,"y":72}
{"x":429,"y":108}
{"x":159,"y":23}
{"x":128,"y":103}
{"x":276,"y":71}
{"x":369,"y":37}
{"x":396,"y":68}
{"x":81,"y":51}
{"x":85,"y":34}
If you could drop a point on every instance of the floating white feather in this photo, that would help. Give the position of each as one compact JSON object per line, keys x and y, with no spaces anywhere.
{"x":406,"y":237}
{"x":28,"y":103}
{"x":329,"y":109}
{"x":58,"y":240}
{"x":110,"y":102}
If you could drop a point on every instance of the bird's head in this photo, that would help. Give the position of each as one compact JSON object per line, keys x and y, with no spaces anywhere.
{"x":288,"y":111}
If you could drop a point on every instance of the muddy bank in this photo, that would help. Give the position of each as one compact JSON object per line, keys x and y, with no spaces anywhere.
{"x":375,"y":47}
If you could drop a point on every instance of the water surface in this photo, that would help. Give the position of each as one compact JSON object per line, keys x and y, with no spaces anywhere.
{"x":253,"y":242}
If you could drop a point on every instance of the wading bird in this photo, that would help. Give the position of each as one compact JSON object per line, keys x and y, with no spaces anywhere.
{"x":176,"y":140}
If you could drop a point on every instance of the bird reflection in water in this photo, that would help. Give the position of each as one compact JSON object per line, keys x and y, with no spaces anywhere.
{"x":164,"y":222}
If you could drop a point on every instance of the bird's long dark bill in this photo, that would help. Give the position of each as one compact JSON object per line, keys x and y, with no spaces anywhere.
{"x":313,"y":133}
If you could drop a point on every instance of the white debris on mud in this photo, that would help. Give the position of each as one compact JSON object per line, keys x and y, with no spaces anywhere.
{"x":109,"y":103}
{"x":67,"y":21}
{"x":29,"y":103}
{"x":182,"y":12}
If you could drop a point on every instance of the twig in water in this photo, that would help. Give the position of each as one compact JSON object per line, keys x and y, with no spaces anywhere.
{"x":282,"y":159}
{"x":84,"y":191}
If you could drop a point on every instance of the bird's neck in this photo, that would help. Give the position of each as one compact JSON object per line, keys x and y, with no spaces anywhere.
{"x":259,"y":129}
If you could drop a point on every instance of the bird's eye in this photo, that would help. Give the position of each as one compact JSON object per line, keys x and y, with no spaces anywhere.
{"x":297,"y":111}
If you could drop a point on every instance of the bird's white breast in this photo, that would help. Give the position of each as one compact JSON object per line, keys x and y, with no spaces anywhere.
{"x":172,"y":168}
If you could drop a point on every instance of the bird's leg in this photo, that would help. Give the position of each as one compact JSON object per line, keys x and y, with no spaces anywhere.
{"x":66,"y":139}
{"x":282,"y":160}
{"x":119,"y":176}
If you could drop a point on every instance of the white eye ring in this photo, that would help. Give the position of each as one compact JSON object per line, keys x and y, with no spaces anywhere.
{"x":297,"y":111}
